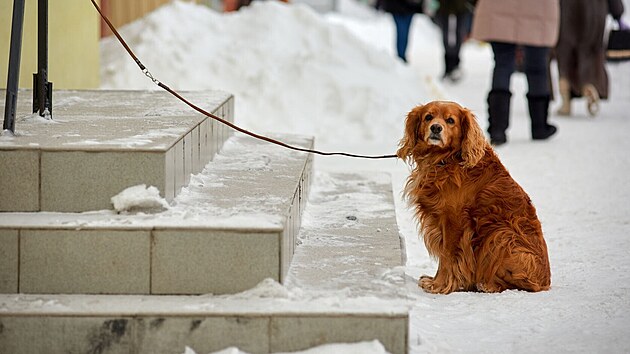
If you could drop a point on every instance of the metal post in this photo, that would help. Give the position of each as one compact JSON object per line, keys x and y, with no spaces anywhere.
{"x":15,"y":52}
{"x":42,"y":89}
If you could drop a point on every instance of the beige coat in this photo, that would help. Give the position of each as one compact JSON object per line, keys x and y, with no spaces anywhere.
{"x":527,"y":22}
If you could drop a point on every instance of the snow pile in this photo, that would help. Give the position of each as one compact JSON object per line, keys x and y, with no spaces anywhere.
{"x":139,"y":198}
{"x":35,"y":117}
{"x":288,"y":67}
{"x":7,"y":135}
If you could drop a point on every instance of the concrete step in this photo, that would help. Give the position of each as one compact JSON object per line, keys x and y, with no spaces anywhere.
{"x":349,"y":237}
{"x":256,"y":323}
{"x":345,"y":284}
{"x":101,"y":142}
{"x":234,"y":225}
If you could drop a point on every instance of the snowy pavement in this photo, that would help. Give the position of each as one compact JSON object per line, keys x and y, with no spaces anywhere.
{"x":353,"y":94}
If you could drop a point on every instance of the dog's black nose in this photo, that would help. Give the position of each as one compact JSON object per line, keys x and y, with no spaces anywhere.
{"x":436,"y":128}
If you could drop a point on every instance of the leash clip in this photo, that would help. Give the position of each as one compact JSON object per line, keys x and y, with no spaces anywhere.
{"x":148,"y":74}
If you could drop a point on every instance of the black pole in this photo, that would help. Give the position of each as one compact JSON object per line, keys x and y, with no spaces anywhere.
{"x":15,"y":52}
{"x":42,"y":89}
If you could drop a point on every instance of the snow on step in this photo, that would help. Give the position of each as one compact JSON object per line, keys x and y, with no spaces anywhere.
{"x":349,"y":238}
{"x":345,"y":286}
{"x":268,"y":318}
{"x":101,"y":142}
{"x":233,"y":226}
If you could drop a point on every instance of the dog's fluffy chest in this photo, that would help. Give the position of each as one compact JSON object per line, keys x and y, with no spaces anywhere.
{"x":436,"y":187}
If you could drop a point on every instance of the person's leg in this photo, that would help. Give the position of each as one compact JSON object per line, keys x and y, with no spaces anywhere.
{"x":537,"y":72}
{"x":591,"y":68}
{"x":448,"y":25}
{"x":499,"y":96}
{"x":462,"y":31}
{"x":591,"y":58}
{"x":564,"y":87}
{"x":403,"y":24}
{"x":504,"y":54}
{"x":566,"y":60}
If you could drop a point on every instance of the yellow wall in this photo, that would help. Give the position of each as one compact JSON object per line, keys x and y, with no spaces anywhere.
{"x":73,"y":44}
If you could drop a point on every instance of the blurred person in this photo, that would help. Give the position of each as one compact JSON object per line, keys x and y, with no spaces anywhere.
{"x":234,"y":5}
{"x":506,"y":24}
{"x":402,"y":11}
{"x":454,"y":18}
{"x":580,"y":52}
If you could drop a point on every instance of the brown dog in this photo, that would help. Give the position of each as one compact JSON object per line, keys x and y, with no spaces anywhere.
{"x":476,"y":220}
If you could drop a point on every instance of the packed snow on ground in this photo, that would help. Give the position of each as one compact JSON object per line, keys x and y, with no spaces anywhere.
{"x":335,"y":77}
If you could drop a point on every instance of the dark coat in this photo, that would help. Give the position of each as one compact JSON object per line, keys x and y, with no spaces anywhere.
{"x":400,"y":7}
{"x":455,"y":7}
{"x":580,"y":50}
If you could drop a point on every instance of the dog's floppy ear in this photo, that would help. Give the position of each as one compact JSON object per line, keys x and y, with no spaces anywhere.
{"x":474,"y":143}
{"x":410,"y":138}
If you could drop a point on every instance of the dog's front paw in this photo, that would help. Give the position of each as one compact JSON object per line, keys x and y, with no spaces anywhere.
{"x":430,"y":285}
{"x":489,"y":288}
{"x":426,"y":283}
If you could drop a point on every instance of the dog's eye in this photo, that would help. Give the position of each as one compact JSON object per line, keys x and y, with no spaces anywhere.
{"x":428,"y":117}
{"x":450,"y":120}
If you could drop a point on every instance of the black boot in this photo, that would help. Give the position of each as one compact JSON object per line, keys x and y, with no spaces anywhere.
{"x":539,"y":111}
{"x":498,"y":115}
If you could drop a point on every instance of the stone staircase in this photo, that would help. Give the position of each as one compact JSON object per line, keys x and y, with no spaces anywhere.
{"x":215,"y":269}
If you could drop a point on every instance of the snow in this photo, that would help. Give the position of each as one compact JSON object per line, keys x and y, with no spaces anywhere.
{"x":335,"y":77}
{"x":207,"y":201}
{"x":373,"y":347}
{"x":265,"y":299}
{"x":139,"y":197}
{"x":297,"y":76}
